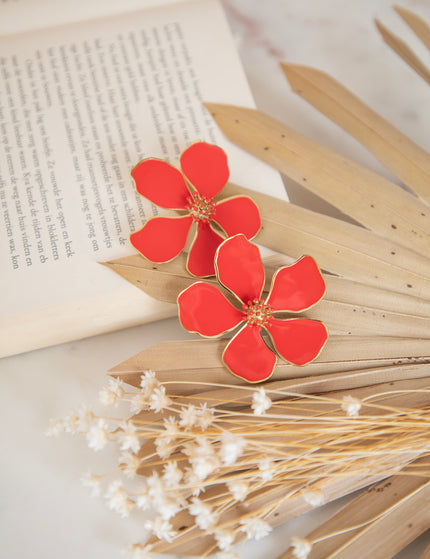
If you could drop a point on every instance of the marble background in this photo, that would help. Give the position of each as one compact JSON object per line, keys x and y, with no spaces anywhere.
{"x":339,"y":38}
{"x":44,"y":511}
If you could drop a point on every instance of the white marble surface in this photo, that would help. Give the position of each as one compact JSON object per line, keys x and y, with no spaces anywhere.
{"x":44,"y":511}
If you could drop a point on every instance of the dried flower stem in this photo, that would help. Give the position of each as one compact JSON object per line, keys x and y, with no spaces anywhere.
{"x":264,"y":446}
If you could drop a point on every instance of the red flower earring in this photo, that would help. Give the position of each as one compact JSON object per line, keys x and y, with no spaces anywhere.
{"x":205,"y":310}
{"x":204,"y":173}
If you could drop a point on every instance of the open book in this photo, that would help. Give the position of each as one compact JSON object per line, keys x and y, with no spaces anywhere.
{"x":82,"y":100}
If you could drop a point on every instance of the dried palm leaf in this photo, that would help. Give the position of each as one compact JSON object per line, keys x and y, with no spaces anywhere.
{"x":375,"y":202}
{"x":404,"y":51}
{"x":396,"y":151}
{"x":416,"y":23}
{"x":377,"y":359}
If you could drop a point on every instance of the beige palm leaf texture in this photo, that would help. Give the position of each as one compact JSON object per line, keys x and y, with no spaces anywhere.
{"x":358,"y":417}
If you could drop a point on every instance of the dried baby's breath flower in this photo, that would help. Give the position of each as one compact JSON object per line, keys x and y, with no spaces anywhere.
{"x":148,"y":382}
{"x":156,"y":488}
{"x":107,"y":398}
{"x":56,"y":427}
{"x":143,"y":499}
{"x":260,"y":402}
{"x":85,"y":418}
{"x":267,"y":469}
{"x":204,"y":466}
{"x":93,"y":481}
{"x":193,"y":482}
{"x":205,"y":416}
{"x":171,"y":428}
{"x":301,"y":547}
{"x":115,"y":385}
{"x":164,"y":447}
{"x":79,"y":421}
{"x":139,"y":402}
{"x":72,"y":423}
{"x":129,"y":436}
{"x":98,"y":435}
{"x":158,"y":400}
{"x":199,"y":446}
{"x":170,"y":505}
{"x":205,"y":516}
{"x":161,"y":528}
{"x":201,"y":456}
{"x":172,"y":474}
{"x":238,"y":488}
{"x":232,"y":446}
{"x":188,"y":416}
{"x":255,"y":528}
{"x":150,"y":397}
{"x":351,"y":406}
{"x":118,"y":499}
{"x":130,"y":463}
{"x":224,"y":539}
{"x":153,"y":493}
{"x":110,"y":395}
{"x":137,"y":551}
{"x":313,"y":497}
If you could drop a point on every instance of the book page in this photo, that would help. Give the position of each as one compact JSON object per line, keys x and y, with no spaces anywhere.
{"x":80,"y":105}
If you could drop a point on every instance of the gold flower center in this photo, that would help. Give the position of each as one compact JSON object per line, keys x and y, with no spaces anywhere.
{"x":257,"y":313}
{"x":200,"y":207}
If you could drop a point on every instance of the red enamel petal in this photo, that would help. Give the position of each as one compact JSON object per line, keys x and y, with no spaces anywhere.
{"x":205,"y":166}
{"x":202,"y":252}
{"x":205,"y":310}
{"x":296,"y":287}
{"x":298,"y":340}
{"x":238,"y":215}
{"x":161,"y":183}
{"x":239,"y":268}
{"x":248,"y":357}
{"x":162,"y":238}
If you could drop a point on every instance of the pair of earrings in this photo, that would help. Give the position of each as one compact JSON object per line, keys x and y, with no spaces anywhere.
{"x":221,"y":247}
